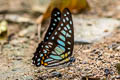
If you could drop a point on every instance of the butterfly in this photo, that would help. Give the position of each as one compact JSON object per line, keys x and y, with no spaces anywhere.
{"x":57,"y":45}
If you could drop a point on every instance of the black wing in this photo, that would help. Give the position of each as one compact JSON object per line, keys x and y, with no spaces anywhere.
{"x":63,"y":40}
{"x":55,"y":19}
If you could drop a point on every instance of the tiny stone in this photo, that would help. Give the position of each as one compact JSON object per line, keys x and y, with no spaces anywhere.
{"x":56,"y":74}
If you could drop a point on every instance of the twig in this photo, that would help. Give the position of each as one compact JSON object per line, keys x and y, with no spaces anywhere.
{"x":1,"y":48}
{"x":39,"y":30}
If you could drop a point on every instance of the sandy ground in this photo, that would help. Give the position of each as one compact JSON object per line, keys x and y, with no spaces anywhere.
{"x":96,"y":60}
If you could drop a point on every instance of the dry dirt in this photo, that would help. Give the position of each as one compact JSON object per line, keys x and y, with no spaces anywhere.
{"x":96,"y":60}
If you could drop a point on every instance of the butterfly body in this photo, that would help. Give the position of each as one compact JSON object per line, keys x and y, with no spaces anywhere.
{"x":57,"y":46}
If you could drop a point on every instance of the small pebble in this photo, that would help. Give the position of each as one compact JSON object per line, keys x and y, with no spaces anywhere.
{"x":56,"y":74}
{"x":107,"y":72}
{"x":72,"y":59}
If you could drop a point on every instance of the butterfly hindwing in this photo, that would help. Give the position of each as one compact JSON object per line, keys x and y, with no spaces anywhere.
{"x":55,"y":18}
{"x":42,"y":53}
{"x":59,"y":44}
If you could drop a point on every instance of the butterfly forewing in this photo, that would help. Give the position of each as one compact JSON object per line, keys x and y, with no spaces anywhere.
{"x":60,"y":43}
{"x":63,"y":39}
{"x":55,"y":18}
